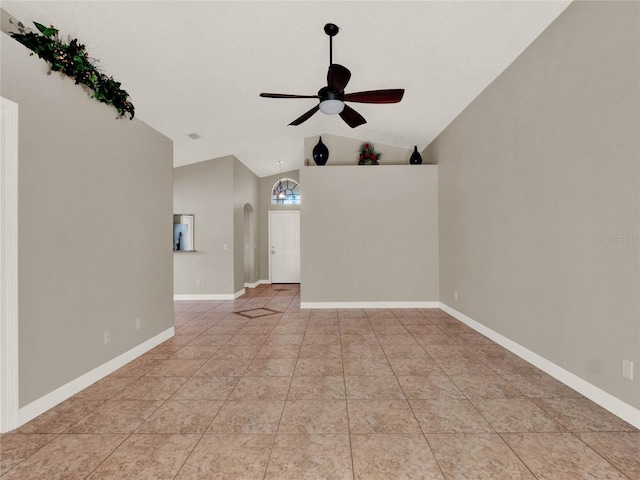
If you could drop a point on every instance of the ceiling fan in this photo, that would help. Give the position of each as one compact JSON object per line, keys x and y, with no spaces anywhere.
{"x":332,"y":97}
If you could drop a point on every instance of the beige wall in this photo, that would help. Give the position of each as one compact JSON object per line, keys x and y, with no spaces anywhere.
{"x":369,"y":233}
{"x":534,"y":174}
{"x":215,"y":191}
{"x":342,"y":151}
{"x":205,"y":189}
{"x":94,"y":209}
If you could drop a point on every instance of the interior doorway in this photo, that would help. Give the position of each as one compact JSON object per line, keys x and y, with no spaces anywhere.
{"x":284,"y":246}
{"x":249,"y":247}
{"x":8,"y":265}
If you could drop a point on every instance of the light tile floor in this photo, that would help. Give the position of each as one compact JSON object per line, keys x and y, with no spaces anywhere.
{"x":313,"y":394}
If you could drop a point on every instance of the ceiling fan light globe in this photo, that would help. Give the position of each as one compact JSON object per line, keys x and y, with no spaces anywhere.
{"x":331,"y":106}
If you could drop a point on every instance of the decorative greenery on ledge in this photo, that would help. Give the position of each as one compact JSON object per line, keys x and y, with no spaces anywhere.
{"x":71,"y":58}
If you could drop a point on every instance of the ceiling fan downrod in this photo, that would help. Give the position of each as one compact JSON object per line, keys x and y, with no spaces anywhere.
{"x":331,"y":30}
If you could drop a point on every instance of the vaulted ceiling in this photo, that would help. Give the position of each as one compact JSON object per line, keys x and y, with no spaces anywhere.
{"x":199,"y":66}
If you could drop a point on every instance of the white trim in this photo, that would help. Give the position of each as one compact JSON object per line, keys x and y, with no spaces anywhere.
{"x":435,"y":304}
{"x":50,"y":400}
{"x":209,"y":296}
{"x":256,"y":283}
{"x":205,"y":296}
{"x":616,"y":406}
{"x":9,"y":266}
{"x":269,"y":241}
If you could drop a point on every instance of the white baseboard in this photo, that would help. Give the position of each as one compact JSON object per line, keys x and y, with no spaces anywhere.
{"x":256,"y":283}
{"x":50,"y":400}
{"x":210,"y":296}
{"x":369,"y":305}
{"x":206,"y":296}
{"x":616,"y":406}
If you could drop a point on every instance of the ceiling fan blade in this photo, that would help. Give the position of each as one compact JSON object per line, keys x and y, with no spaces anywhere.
{"x":285,"y":95}
{"x":376,"y":96}
{"x":351,"y":117}
{"x":306,"y":116}
{"x":338,"y":77}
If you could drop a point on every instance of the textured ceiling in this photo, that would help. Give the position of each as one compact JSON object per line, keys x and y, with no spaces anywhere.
{"x":199,"y":66}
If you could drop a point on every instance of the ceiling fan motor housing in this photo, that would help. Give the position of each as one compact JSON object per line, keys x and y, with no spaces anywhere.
{"x":331,"y":101}
{"x":326,"y":93}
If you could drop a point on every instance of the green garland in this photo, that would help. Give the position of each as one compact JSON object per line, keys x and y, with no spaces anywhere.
{"x":72,"y":59}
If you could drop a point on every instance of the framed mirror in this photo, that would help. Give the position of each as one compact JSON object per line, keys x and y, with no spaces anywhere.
{"x":183,"y":232}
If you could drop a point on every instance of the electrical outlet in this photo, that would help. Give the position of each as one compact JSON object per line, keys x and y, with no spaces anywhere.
{"x":627,"y":369}
{"x":198,"y":283}
{"x":107,"y":336}
{"x":138,"y":323}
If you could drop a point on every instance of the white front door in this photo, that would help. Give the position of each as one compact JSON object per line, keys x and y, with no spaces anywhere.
{"x":284,"y":246}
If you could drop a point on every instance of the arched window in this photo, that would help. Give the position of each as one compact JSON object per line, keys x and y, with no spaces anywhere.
{"x":286,"y":191}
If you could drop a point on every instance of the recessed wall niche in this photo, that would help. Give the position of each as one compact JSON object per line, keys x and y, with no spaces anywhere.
{"x":183,"y":224}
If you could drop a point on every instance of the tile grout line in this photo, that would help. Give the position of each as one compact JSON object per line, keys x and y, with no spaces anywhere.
{"x":212,"y":418}
{"x":346,"y":398}
{"x":479,"y":413}
{"x":275,"y":435}
{"x":424,"y":435}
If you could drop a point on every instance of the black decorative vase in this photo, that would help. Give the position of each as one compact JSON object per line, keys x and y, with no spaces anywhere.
{"x":415,"y":159}
{"x":320,"y":153}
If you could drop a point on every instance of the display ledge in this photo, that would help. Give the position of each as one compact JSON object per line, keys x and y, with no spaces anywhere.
{"x":328,"y":164}
{"x":184,"y":251}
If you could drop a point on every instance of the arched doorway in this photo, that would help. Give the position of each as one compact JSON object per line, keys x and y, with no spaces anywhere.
{"x":249,"y":247}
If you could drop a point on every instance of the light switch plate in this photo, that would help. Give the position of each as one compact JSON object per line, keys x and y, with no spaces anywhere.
{"x":627,"y":369}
